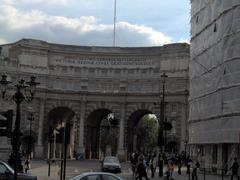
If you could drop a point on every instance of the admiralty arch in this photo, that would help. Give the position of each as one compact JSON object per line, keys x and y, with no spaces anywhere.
{"x":85,"y":84}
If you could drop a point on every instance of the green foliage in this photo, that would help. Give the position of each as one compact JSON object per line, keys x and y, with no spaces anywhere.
{"x":147,"y":133}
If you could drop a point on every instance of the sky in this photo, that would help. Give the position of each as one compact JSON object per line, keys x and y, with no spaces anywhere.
{"x":90,"y":22}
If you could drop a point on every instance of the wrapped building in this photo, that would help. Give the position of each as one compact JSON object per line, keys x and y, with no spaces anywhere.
{"x":214,"y":71}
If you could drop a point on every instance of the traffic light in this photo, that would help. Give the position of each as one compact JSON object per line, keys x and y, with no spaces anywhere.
{"x":167,"y":126}
{"x":6,"y":123}
{"x":113,"y":122}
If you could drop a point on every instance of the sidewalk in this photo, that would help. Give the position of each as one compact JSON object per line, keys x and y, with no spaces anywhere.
{"x":41,"y":171}
{"x":185,"y":176}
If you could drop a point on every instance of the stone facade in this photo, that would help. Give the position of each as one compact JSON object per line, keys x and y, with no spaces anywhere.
{"x":90,"y":82}
{"x":214,"y":82}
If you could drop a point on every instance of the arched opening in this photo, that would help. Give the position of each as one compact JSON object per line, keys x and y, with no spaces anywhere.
{"x":28,"y":142}
{"x":102,"y":134}
{"x":147,"y":134}
{"x":60,"y":128}
{"x":142,"y":132}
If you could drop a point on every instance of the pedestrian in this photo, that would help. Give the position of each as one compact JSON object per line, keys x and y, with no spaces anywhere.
{"x":27,"y":163}
{"x":141,"y":169}
{"x":188,"y":164}
{"x":134,"y":161}
{"x":234,"y":169}
{"x":167,"y":173}
{"x":153,"y":164}
{"x":170,"y":169}
{"x":179,"y":163}
{"x":195,"y":166}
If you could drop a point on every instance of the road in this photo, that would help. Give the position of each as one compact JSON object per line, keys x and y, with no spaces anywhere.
{"x":40,"y":169}
{"x":73,"y":167}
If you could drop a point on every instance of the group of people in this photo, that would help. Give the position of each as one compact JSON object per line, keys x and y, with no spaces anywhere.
{"x":179,"y":160}
{"x":141,"y":164}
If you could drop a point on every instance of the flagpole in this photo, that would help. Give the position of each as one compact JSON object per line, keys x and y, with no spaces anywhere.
{"x":114,"y":24}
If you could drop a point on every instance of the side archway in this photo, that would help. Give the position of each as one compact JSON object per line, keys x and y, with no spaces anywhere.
{"x":57,"y":120}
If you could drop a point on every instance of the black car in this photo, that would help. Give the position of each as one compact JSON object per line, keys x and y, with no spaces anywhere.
{"x":7,"y":173}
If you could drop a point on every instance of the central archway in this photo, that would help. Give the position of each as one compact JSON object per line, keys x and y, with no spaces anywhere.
{"x":99,"y":133}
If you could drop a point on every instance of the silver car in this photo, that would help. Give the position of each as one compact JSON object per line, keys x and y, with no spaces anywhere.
{"x":111,"y":164}
{"x":96,"y":176}
{"x":7,"y":173}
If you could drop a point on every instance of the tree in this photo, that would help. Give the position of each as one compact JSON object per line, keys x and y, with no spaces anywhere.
{"x":147,"y":133}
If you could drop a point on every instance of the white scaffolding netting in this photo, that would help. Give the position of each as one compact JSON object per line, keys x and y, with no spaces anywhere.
{"x":214,"y":72}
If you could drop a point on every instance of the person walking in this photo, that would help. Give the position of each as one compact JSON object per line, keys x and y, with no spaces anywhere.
{"x":195,"y":166}
{"x":179,"y":163}
{"x":234,"y":169}
{"x":188,"y":162}
{"x":170,"y":169}
{"x":141,"y":169}
{"x":153,"y":164}
{"x":134,"y":162}
{"x":27,"y":163}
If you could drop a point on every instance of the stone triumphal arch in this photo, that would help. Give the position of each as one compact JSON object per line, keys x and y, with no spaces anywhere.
{"x":85,"y":85}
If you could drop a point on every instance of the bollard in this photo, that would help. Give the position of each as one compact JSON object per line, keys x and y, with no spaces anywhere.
{"x":222,"y":173}
{"x":49,"y":168}
{"x":204,"y":173}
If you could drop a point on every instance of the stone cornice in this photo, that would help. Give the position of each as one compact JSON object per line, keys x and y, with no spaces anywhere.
{"x":99,"y":51}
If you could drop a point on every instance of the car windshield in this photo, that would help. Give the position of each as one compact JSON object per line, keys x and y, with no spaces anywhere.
{"x":111,"y":159}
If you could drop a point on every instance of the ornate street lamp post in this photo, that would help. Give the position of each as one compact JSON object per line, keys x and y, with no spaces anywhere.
{"x":161,"y":123}
{"x":31,"y":119}
{"x":18,"y":97}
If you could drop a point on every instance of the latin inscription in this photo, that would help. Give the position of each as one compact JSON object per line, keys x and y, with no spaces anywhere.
{"x":104,"y":62}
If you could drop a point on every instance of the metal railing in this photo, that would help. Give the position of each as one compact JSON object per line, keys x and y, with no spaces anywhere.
{"x":210,"y":174}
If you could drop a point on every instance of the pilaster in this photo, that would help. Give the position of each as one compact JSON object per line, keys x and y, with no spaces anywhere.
{"x":39,"y":146}
{"x":81,"y":148}
{"x":121,"y":152}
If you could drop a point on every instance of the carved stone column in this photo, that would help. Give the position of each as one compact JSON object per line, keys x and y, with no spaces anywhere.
{"x":72,"y":139}
{"x":39,"y":146}
{"x":121,"y":152}
{"x":81,"y":148}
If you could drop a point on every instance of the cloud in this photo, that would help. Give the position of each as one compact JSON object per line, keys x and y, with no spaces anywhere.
{"x":3,"y":41}
{"x":184,"y":41}
{"x":85,"y":30}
